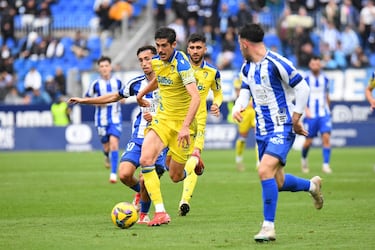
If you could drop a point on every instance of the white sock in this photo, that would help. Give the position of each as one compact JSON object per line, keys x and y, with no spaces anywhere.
{"x":159,"y":208}
{"x":312,"y":187}
{"x":268,"y":224}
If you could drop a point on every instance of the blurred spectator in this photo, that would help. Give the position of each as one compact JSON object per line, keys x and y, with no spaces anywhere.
{"x":192,"y":9}
{"x":7,"y":21}
{"x":55,"y":49}
{"x":227,"y":53}
{"x":79,"y":46}
{"x":43,"y":19}
{"x":39,"y":97}
{"x":284,"y":32}
{"x":61,"y":80}
{"x":303,"y":46}
{"x":192,"y":27}
{"x":13,"y":97}
{"x":30,"y":47}
{"x":51,"y":87}
{"x":349,"y":41}
{"x":367,"y":20}
{"x":60,"y":111}
{"x":179,"y":27}
{"x":225,"y":19}
{"x":179,"y":8}
{"x":161,"y":11}
{"x":243,"y":16}
{"x":5,"y":52}
{"x":33,"y":79}
{"x":119,"y":10}
{"x":328,"y":61}
{"x":6,"y":83}
{"x":349,"y":15}
{"x":102,"y":11}
{"x":340,"y":57}
{"x":207,"y":11}
{"x":330,"y":35}
{"x":331,"y":13}
{"x":28,"y":13}
{"x":359,"y":58}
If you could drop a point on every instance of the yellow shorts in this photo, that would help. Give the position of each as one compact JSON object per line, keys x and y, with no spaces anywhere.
{"x":168,"y":131}
{"x":248,"y":121}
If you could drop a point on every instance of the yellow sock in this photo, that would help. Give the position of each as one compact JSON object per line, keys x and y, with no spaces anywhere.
{"x":190,"y":165}
{"x":240,"y":146}
{"x":190,"y":181}
{"x":152,"y":184}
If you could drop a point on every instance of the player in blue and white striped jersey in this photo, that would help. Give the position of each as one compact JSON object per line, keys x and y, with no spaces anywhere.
{"x":108,"y":118}
{"x":130,"y":159}
{"x":317,"y":115}
{"x":273,"y":83}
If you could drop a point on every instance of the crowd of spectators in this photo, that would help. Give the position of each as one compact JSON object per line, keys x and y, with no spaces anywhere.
{"x":342,"y":32}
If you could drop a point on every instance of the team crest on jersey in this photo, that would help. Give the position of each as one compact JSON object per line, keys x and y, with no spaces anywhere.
{"x":205,"y":74}
{"x":172,"y":68}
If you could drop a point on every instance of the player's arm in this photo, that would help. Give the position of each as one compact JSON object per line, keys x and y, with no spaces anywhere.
{"x":302,"y":92}
{"x":241,"y":103}
{"x":108,"y":98}
{"x":218,"y":97}
{"x":369,"y":96}
{"x":184,"y":134}
{"x":151,"y":86}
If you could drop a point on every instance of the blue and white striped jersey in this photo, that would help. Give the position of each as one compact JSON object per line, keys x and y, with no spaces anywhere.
{"x":319,"y":90}
{"x":132,"y":88}
{"x":107,"y":113}
{"x":271,"y":82}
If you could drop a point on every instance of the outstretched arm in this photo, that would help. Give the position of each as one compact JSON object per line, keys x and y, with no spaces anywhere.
{"x":150,"y":87}
{"x":108,"y":98}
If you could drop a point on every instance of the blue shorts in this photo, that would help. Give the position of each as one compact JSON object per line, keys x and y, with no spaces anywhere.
{"x":318,"y":124}
{"x":105,"y":131}
{"x":277,"y":145}
{"x":133,"y":154}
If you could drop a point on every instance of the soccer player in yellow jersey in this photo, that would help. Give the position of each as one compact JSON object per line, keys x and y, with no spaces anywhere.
{"x":244,"y":127}
{"x":174,"y":125}
{"x":369,"y":89}
{"x":208,"y":78}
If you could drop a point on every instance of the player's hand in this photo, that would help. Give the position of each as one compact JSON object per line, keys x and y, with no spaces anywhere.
{"x":298,"y":128}
{"x":372,"y":103}
{"x":142,"y":102}
{"x":214,"y":109}
{"x":147,"y":116}
{"x":74,"y":100}
{"x":237,"y":116}
{"x":184,"y":137}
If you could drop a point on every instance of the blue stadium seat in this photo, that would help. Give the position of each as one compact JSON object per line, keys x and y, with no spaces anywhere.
{"x":272,"y":40}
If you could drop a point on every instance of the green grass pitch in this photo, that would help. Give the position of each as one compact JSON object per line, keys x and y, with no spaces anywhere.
{"x":60,"y":200}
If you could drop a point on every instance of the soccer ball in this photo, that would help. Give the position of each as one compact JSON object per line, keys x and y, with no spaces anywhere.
{"x":124,"y":215}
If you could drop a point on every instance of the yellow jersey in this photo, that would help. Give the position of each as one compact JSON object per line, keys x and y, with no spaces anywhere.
{"x":207,"y":77}
{"x":371,"y":82}
{"x":172,"y":76}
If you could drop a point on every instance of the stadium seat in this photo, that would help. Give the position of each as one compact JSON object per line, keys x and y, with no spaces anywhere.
{"x":272,"y":40}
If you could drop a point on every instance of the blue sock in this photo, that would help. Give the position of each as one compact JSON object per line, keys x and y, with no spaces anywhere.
{"x":114,"y":161}
{"x":294,"y":184}
{"x":145,"y":206}
{"x":136,"y":187}
{"x":270,"y":195}
{"x":304,"y":152}
{"x":326,"y":155}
